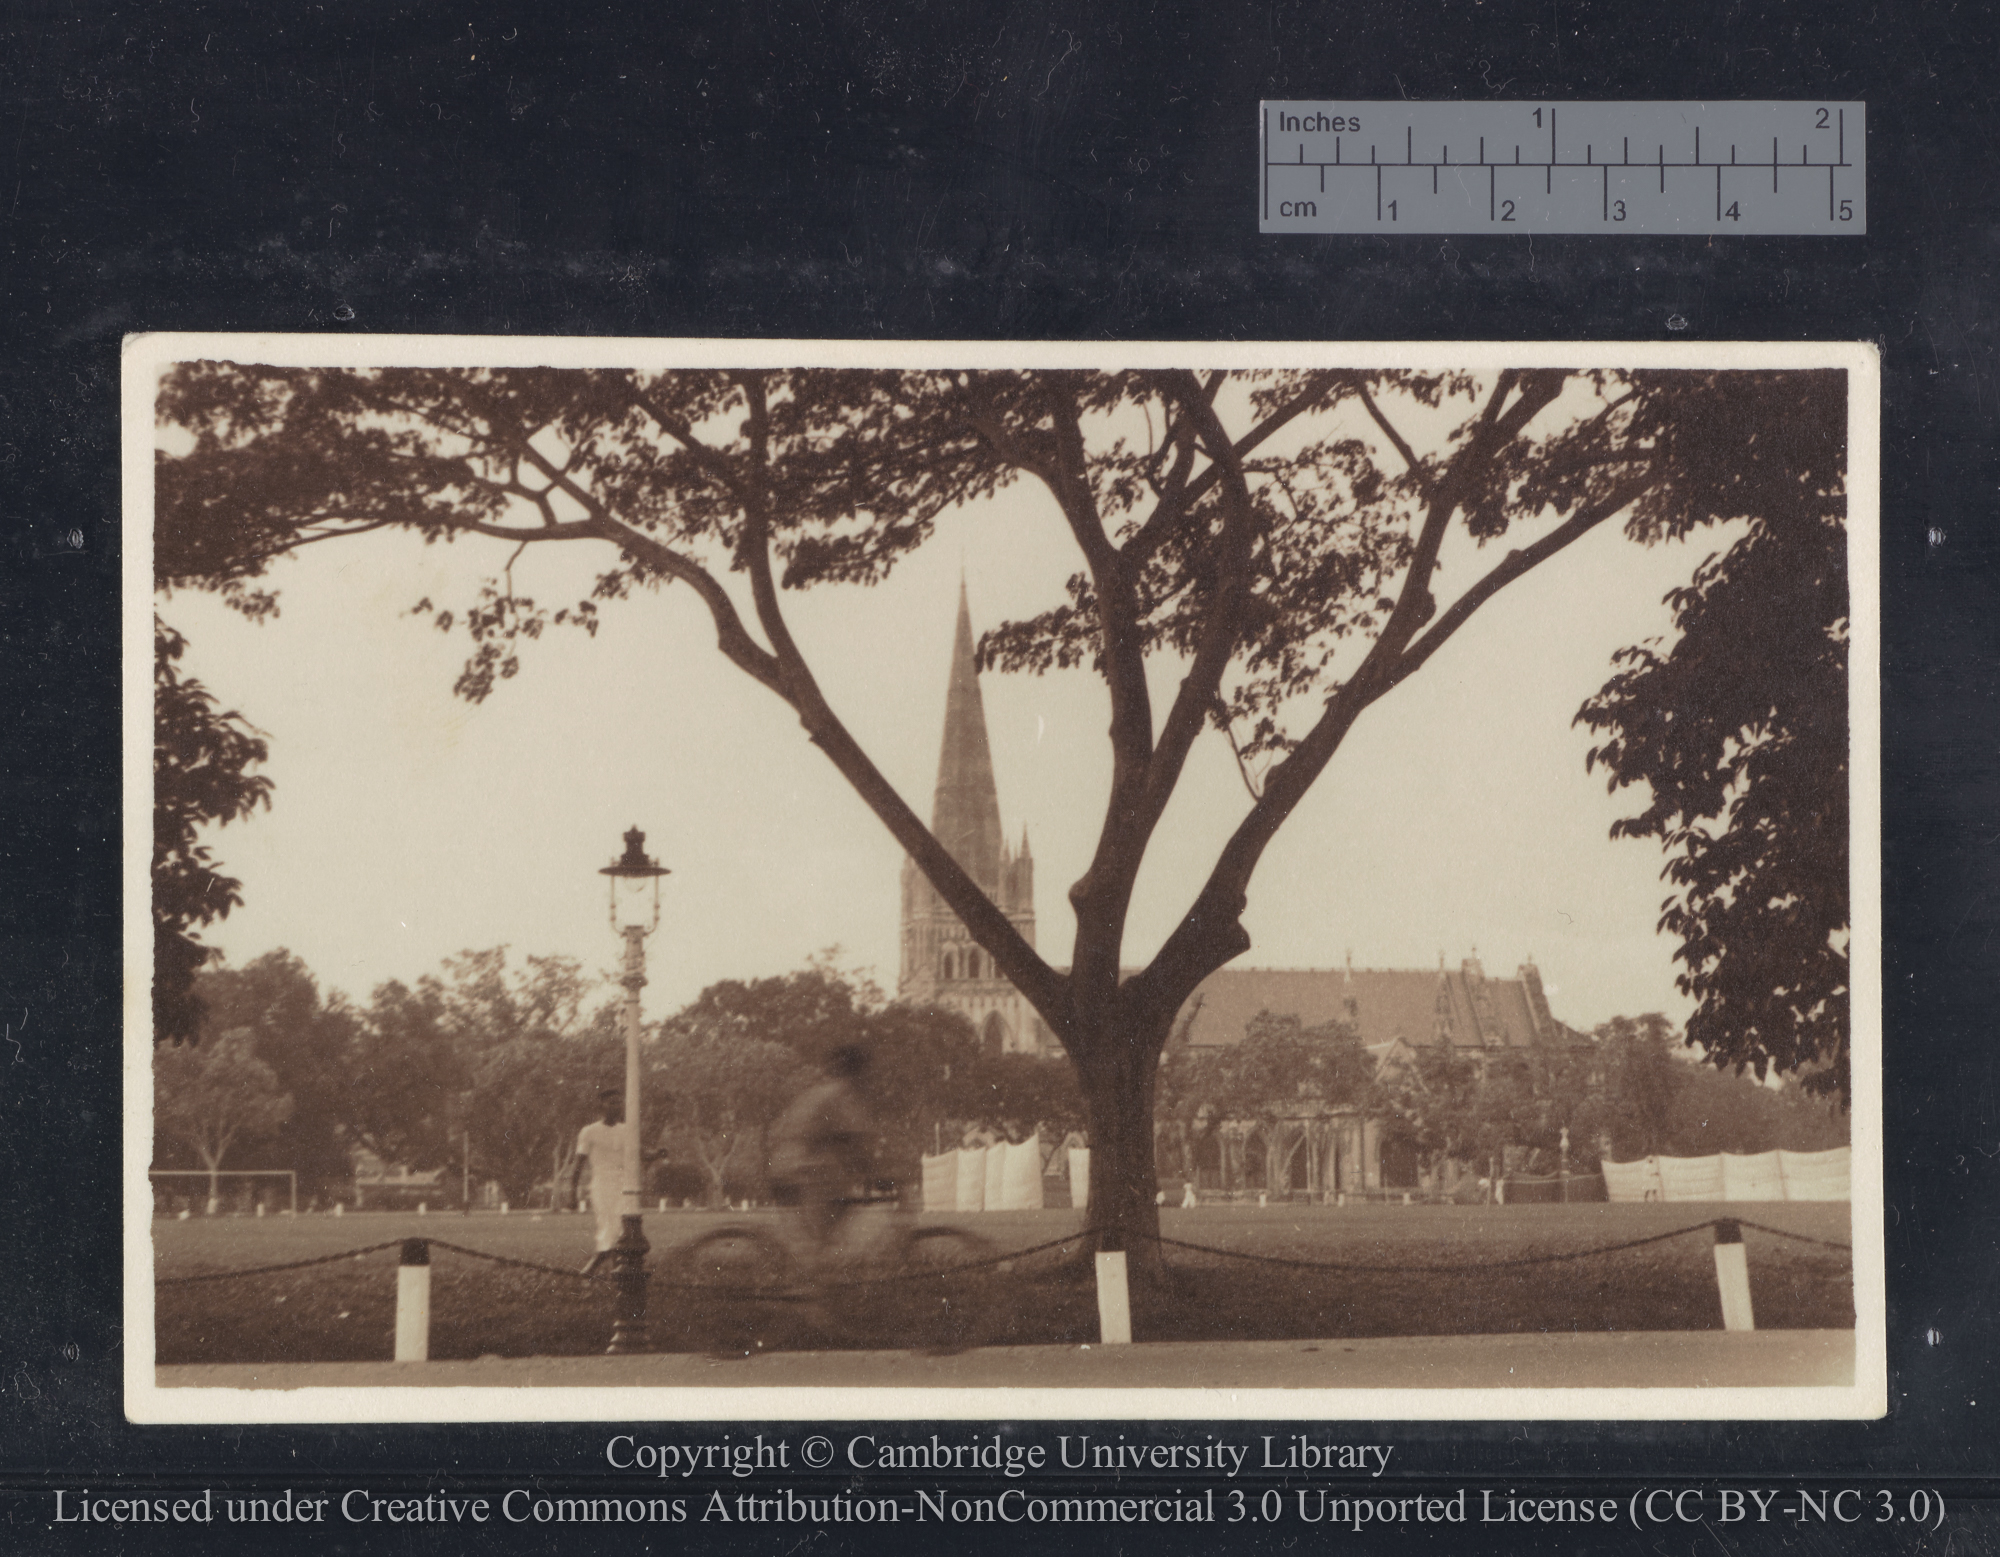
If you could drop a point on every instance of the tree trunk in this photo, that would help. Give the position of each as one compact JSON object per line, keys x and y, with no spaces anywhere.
{"x":1117,"y":1084}
{"x":715,"y":1167}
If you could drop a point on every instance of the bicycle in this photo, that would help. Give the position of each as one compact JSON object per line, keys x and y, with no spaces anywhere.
{"x":744,"y":1289}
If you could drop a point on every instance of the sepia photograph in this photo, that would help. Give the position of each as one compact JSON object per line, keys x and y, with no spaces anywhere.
{"x":784,"y":879}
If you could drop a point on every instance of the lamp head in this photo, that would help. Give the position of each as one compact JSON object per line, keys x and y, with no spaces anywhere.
{"x":635,"y":885}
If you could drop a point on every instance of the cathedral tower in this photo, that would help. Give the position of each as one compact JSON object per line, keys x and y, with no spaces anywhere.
{"x":941,"y":964}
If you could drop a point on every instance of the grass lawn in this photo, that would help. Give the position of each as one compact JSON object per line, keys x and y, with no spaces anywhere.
{"x":345,"y":1311}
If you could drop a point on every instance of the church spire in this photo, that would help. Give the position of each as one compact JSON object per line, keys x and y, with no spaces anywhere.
{"x":965,"y":815}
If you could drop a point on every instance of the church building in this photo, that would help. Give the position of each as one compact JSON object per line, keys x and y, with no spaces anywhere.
{"x":941,"y":964}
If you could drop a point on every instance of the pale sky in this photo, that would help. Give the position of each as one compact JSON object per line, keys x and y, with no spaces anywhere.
{"x":407,"y":825}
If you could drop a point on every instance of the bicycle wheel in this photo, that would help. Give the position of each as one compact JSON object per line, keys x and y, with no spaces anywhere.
{"x":949,"y":1292}
{"x":726,"y":1293}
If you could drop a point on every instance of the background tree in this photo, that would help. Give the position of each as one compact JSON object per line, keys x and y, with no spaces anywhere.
{"x":307,"y":1042}
{"x":1278,"y":1065}
{"x":1655,"y":1102}
{"x":1017,"y":1095}
{"x":212,"y":1096}
{"x":201,"y":762}
{"x":1240,"y":526}
{"x":1721,"y":1111}
{"x":1528,"y":1097}
{"x":719,"y":1092}
{"x":1739,"y":730}
{"x":723,"y":1085}
{"x":405,"y":1075}
{"x":1279,"y":1070}
{"x":533,"y":1043}
{"x":1642,"y":1078}
{"x":1433,"y":1094}
{"x":926,"y":1069}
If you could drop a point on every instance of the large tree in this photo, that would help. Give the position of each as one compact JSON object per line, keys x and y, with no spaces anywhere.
{"x":1738,"y":730}
{"x":1273,"y":537}
{"x":202,"y":757}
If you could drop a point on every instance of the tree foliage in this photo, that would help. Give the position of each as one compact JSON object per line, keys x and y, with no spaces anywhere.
{"x":201,"y":761}
{"x":1435,"y":1094}
{"x":534,"y":1042}
{"x":1653,"y":1102}
{"x":728,"y":1063}
{"x":406,"y":1074}
{"x":1739,"y":731}
{"x":515,"y":1052}
{"x":1275,"y":535}
{"x":214,"y":1095}
{"x":1280,"y":1069}
{"x":306,"y":1042}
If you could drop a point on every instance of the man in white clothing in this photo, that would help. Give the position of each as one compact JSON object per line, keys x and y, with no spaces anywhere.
{"x":606,"y":1144}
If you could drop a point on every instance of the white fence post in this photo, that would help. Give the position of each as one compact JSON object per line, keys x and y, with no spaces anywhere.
{"x":413,"y":1302}
{"x":1114,"y":1299}
{"x":1732,"y":1276}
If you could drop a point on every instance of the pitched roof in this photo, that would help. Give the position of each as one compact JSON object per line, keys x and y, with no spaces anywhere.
{"x":1384,"y":1005}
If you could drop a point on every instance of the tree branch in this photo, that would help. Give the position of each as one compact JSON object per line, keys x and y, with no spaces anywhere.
{"x":1212,"y":932}
{"x":571,"y":530}
{"x":1223,"y":621}
{"x":1409,"y":455}
{"x":1415,"y":605}
{"x":1236,"y":751}
{"x":1101,"y":895}
{"x":307,"y":540}
{"x":1167,"y":517}
{"x":1509,"y":568}
{"x":795,"y":682}
{"x":713,"y":461}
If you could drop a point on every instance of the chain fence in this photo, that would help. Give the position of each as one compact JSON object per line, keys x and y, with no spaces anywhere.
{"x":905,"y":1272}
{"x":1557,"y":1257}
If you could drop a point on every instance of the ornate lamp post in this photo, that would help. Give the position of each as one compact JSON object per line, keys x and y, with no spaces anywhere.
{"x":635,"y":914}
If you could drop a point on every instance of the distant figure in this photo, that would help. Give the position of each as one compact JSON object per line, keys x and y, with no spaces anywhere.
{"x":1188,"y":1198}
{"x":606,"y":1145}
{"x":822,"y":1147}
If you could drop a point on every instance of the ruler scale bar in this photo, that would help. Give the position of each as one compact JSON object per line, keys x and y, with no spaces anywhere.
{"x":1309,"y":187}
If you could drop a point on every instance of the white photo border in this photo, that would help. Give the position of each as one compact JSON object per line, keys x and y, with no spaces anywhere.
{"x":147,"y":356}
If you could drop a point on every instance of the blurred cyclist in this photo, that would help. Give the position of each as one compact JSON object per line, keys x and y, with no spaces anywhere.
{"x":822,"y":1147}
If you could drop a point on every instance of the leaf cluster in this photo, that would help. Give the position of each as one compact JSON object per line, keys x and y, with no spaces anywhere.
{"x":202,"y":757}
{"x":1738,"y":733}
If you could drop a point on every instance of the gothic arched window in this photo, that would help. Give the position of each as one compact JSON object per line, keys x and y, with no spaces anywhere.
{"x":950,"y":966}
{"x":993,"y":1035}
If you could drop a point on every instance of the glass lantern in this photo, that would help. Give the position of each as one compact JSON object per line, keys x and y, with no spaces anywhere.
{"x":635,"y":887}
